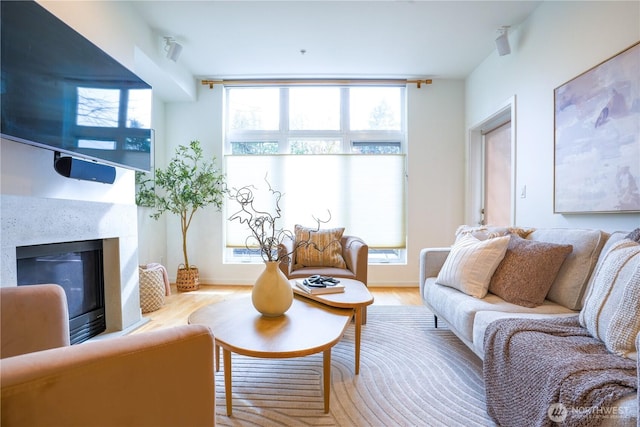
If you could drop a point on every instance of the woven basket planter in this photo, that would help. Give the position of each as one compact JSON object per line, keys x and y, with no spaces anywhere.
{"x":152,"y":289}
{"x":187,"y":280}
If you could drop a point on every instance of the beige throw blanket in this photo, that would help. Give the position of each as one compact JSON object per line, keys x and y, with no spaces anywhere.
{"x":531,"y":366}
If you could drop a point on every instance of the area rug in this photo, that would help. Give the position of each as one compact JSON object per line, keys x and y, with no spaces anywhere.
{"x":411,"y":374}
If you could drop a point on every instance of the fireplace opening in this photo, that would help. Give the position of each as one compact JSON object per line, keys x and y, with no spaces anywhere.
{"x":78,"y":268}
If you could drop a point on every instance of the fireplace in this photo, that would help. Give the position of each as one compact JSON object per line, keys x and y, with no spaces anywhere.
{"x":32,"y":221}
{"x":76,"y":266}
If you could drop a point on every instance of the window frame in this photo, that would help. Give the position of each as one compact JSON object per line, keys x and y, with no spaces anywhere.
{"x":283,"y":134}
{"x":349,"y":139}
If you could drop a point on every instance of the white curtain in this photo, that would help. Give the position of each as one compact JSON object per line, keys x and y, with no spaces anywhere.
{"x":362,"y":193}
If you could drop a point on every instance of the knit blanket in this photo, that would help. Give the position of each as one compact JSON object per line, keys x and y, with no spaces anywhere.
{"x":538,"y":372}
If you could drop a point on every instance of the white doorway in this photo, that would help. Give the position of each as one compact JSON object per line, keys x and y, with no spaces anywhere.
{"x":497,"y":167}
{"x":491,"y":169}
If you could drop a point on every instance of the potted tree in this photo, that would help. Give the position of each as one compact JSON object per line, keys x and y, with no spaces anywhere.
{"x":188,"y":183}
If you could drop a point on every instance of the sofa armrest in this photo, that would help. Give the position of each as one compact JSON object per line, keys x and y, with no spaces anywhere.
{"x":356,"y":255}
{"x":159,"y":378}
{"x":33,"y":318}
{"x":431,"y":261}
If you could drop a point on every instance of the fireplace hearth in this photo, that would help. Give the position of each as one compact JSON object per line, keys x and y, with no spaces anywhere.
{"x":78,"y":268}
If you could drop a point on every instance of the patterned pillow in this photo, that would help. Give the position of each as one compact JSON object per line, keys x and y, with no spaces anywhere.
{"x":611,"y":311}
{"x":471,"y":263}
{"x":527,"y":271}
{"x":322,"y":248}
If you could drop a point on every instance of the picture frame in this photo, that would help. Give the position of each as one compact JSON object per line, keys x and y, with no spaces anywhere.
{"x":597,"y":138}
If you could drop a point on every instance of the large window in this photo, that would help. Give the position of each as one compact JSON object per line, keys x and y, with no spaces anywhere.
{"x":335,"y":151}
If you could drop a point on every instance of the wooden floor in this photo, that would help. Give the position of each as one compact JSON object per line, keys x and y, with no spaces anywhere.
{"x":179,"y":305}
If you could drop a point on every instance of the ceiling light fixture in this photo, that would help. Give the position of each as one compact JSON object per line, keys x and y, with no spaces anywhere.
{"x":502,"y":42}
{"x":173,"y":48}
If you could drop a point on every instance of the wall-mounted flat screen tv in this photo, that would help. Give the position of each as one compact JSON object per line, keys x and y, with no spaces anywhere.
{"x":61,"y":92}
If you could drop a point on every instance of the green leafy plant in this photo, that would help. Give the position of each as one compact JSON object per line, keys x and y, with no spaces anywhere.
{"x":145,"y":196}
{"x":188,"y":183}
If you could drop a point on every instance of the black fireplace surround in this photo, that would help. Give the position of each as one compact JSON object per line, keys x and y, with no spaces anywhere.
{"x":78,"y":268}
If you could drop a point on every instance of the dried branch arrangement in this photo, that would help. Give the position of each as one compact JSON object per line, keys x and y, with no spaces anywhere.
{"x":265,"y":232}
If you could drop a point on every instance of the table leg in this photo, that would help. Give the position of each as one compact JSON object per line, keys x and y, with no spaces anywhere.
{"x":227,"y":379}
{"x":358,"y":322}
{"x":326,"y":376}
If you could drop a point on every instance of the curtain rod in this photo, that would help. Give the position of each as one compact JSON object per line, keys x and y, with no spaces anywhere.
{"x":315,"y":82}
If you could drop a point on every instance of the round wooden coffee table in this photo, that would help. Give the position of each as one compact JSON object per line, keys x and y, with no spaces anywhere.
{"x":355,"y":297}
{"x":306,"y":328}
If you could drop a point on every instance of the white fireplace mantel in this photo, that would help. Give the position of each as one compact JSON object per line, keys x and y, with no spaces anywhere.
{"x":32,"y":220}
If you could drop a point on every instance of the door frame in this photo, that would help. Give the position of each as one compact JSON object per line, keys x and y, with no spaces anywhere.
{"x":475,"y":161}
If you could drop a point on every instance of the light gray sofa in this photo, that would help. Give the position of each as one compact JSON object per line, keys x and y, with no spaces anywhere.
{"x":468,"y":316}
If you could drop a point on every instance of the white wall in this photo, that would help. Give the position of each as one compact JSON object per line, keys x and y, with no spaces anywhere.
{"x":152,"y":234}
{"x":557,"y":43}
{"x":116,"y":28}
{"x":28,"y":171}
{"x":435,"y":197}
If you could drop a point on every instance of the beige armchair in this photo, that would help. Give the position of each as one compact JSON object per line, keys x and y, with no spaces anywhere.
{"x":160,"y":378}
{"x":354,"y":251}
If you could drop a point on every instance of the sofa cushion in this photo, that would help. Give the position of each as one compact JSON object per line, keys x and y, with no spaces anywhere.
{"x":527,"y":271}
{"x":568,"y":288}
{"x":304,"y":272}
{"x":322,"y":247}
{"x":484,"y":232}
{"x":612,"y":309}
{"x":471,"y":263}
{"x":459,"y":310}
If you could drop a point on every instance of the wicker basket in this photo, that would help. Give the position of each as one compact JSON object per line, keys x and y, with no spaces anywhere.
{"x":187,"y":280}
{"x":152,"y":289}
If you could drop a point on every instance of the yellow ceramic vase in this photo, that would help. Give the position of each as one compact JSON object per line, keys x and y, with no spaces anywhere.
{"x":272,"y":294}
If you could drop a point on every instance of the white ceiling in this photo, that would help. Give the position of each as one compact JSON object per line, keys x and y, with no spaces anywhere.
{"x":345,"y":39}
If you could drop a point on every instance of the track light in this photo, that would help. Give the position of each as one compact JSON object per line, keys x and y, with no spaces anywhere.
{"x":502,"y":42}
{"x":173,"y":48}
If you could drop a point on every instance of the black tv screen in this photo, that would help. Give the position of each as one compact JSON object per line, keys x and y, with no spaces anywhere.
{"x":60,"y":91}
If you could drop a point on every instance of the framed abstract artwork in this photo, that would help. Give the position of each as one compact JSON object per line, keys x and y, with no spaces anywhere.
{"x":597,"y":138}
